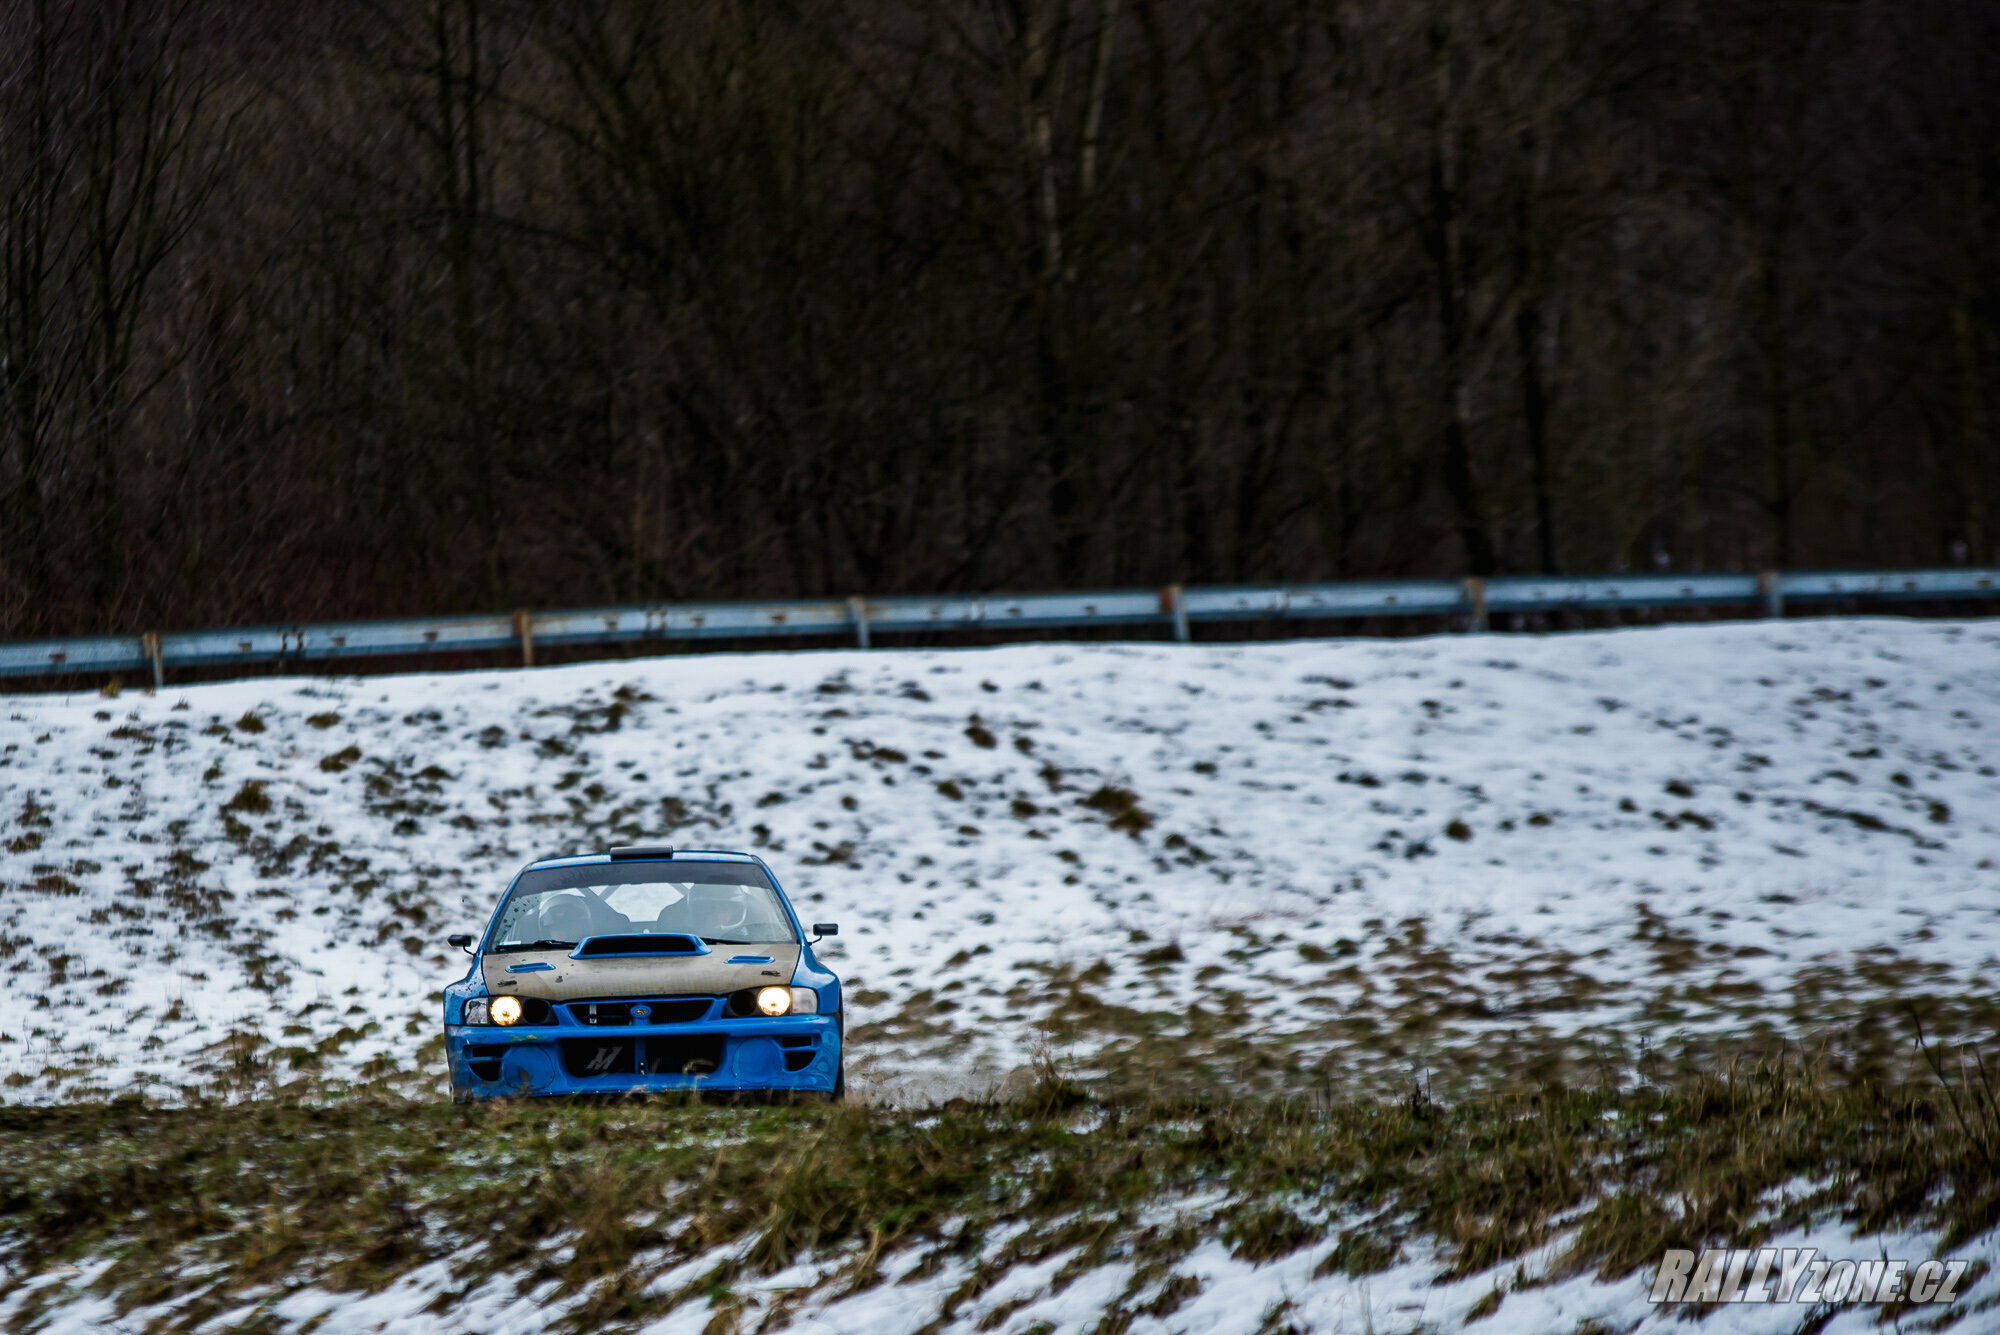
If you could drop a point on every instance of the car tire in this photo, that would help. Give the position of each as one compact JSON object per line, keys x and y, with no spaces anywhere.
{"x":838,"y":1094}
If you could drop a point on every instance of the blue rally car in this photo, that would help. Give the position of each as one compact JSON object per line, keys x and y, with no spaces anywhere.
{"x":644,"y":969}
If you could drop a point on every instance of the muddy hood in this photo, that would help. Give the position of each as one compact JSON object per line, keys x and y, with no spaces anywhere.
{"x":567,"y":979}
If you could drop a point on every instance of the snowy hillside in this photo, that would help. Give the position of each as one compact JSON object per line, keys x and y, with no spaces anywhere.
{"x":1267,"y":865}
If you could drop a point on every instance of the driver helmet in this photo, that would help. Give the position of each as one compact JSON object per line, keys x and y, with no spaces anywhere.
{"x":716,"y":910}
{"x":565,"y":918}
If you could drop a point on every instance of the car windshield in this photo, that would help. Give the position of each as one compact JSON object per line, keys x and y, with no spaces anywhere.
{"x":723,"y":903}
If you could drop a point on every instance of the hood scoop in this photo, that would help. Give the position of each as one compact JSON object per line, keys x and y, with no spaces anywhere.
{"x":625,"y":947}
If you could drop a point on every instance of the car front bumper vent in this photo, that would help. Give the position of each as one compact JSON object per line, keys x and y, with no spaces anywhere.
{"x":655,"y":1054}
{"x":666,"y":1010}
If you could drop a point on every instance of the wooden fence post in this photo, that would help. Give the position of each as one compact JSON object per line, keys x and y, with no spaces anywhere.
{"x":1773,"y":590}
{"x":524,"y":628}
{"x":1475,"y":598}
{"x":151,"y":640}
{"x":857,"y":608}
{"x":1174,"y":602}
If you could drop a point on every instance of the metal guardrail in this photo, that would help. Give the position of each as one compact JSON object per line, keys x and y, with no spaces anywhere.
{"x":861,"y":618}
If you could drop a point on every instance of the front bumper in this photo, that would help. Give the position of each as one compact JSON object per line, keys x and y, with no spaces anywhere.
{"x":799,"y":1053}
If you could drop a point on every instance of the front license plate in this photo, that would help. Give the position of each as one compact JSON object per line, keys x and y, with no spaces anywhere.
{"x":586,"y":1057}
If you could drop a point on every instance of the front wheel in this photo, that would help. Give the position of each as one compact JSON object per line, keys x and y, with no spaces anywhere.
{"x":839,"y":1092}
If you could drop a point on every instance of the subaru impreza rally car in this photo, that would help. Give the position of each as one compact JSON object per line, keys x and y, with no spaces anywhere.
{"x":645,"y":968}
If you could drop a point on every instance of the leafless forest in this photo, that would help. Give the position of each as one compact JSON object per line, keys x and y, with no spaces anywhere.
{"x":387,"y":306}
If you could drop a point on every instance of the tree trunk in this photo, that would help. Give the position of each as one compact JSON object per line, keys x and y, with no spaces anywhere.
{"x":1535,"y":423}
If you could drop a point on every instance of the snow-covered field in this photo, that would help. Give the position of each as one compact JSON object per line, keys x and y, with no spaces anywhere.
{"x":1231,"y":1296}
{"x":1321,"y":866}
{"x":1268,"y":864}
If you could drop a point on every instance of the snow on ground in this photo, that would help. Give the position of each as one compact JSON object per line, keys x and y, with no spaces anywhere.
{"x":1268,"y":864}
{"x":1209,"y":1292}
{"x":1221,"y":1294}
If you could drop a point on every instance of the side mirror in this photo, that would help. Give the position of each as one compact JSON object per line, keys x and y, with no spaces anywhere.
{"x":463,"y":940}
{"x":826,"y":929}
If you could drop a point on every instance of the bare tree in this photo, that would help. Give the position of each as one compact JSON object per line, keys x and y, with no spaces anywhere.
{"x":116,"y":163}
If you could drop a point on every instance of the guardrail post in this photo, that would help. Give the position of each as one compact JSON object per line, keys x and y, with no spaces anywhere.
{"x":1475,"y":598}
{"x":1772,"y":588}
{"x":1174,"y":604}
{"x":524,"y":628}
{"x":151,"y":640}
{"x":857,"y":609}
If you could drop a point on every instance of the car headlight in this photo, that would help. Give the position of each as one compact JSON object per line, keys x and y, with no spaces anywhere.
{"x":775,"y":1001}
{"x":770,"y":1003}
{"x":498,"y":1010}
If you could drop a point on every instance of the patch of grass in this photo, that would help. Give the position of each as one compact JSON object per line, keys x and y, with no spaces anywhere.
{"x":1122,"y":806}
{"x":202,"y":1202}
{"x":251,"y":797}
{"x":1485,"y":1307}
{"x":1266,"y":1234}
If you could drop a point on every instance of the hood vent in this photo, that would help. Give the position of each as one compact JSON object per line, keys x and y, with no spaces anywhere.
{"x":650,"y":943}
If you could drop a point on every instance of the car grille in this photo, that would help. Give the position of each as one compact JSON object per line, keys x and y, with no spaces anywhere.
{"x":679,"y":1054}
{"x":665,"y":1010}
{"x":684,"y":1054}
{"x":591,"y":1056}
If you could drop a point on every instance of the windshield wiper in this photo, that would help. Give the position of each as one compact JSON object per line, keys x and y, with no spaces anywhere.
{"x":722,"y":941}
{"x":534,"y":945}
